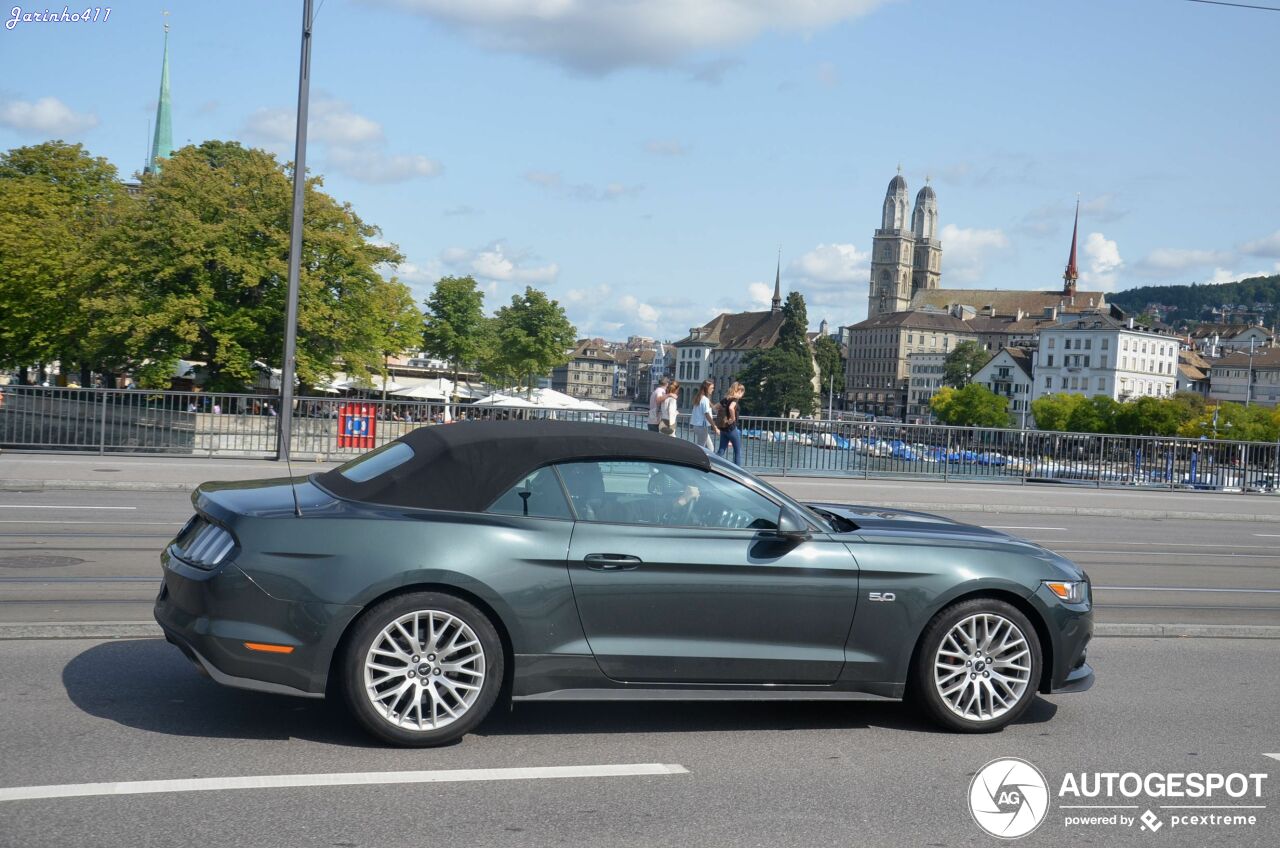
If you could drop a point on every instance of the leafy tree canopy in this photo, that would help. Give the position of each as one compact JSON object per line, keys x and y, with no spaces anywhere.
{"x":455,"y":328}
{"x":962,"y":363}
{"x":531,"y":336}
{"x":198,"y":267}
{"x":972,"y":406}
{"x":827,"y":354}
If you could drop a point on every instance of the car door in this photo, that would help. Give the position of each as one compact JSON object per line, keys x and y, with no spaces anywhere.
{"x":680,"y":576}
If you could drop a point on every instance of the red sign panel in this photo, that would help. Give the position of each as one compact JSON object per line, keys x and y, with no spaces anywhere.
{"x":357,"y":425}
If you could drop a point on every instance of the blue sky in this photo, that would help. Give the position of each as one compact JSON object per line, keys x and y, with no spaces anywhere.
{"x":644,"y":161}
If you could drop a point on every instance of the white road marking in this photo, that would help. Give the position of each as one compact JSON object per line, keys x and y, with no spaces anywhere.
{"x":365,"y":778}
{"x":1166,"y":554}
{"x":1097,"y":806}
{"x":1180,"y":589}
{"x":1003,"y":527}
{"x":1272,"y":756}
{"x":94,"y":523}
{"x":49,"y":506}
{"x":1268,"y":535}
{"x":1154,"y":544}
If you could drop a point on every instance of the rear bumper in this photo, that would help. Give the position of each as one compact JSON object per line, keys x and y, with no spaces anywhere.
{"x":211,"y":615}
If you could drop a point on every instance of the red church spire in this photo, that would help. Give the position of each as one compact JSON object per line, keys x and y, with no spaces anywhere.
{"x":1072,"y":273}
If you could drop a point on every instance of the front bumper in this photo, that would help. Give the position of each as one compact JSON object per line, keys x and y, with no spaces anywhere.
{"x":210,"y":615}
{"x":1070,"y":629}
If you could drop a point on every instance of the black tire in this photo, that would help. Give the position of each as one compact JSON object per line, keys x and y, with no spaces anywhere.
{"x":922,"y":684}
{"x":370,"y":627}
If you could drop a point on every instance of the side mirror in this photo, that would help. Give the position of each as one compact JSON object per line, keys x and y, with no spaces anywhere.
{"x":792,"y":526}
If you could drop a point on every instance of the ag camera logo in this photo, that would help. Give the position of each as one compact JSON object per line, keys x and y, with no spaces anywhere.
{"x":1009,"y":798}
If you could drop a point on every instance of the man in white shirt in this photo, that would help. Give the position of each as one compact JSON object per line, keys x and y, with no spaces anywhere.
{"x":655,"y":402}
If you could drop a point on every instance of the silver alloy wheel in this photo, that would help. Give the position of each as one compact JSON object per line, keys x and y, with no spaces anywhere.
{"x":983,"y":667}
{"x":424,"y":670}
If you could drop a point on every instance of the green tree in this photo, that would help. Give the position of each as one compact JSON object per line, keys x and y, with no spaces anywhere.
{"x":399,"y":320}
{"x":971,"y":406}
{"x":531,"y":336}
{"x":962,"y":363}
{"x":455,"y":328}
{"x":198,"y":270}
{"x":1053,"y":412}
{"x":56,"y":201}
{"x":1150,"y":416}
{"x":826,"y":352}
{"x":1235,"y":421}
{"x":779,"y":379}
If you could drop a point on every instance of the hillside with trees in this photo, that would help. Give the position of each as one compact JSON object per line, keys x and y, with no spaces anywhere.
{"x":1193,"y":302}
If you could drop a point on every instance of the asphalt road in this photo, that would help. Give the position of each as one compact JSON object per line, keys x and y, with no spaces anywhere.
{"x":94,"y":555}
{"x":798,"y":774}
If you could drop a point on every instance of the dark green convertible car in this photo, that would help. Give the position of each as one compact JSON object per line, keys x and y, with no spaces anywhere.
{"x":544,"y":560}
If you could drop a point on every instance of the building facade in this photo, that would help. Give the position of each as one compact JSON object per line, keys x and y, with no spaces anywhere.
{"x":718,"y":349}
{"x":1009,"y":374}
{"x":906,"y":255}
{"x":1245,"y":378}
{"x":877,"y":374}
{"x":1098,"y":355}
{"x":589,"y":373}
{"x":924,"y":371}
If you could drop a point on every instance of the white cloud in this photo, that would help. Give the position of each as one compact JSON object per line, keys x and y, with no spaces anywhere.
{"x":1166,"y":260}
{"x":966,"y":250}
{"x":498,"y":263}
{"x":598,"y":311}
{"x":47,"y":116}
{"x":352,"y":144}
{"x":552,"y":181}
{"x":760,"y":294}
{"x":832,"y":263}
{"x":600,"y":36}
{"x":1268,"y":246}
{"x":1102,"y":264}
{"x":1222,"y":275}
{"x":374,"y":166}
{"x":665,"y":147}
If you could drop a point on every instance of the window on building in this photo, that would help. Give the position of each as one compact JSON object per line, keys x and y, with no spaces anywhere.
{"x":1049,"y":362}
{"x":1102,"y":384}
{"x":1106,"y":343}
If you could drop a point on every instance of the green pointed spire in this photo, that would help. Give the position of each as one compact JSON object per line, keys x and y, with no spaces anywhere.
{"x":162,"y":143}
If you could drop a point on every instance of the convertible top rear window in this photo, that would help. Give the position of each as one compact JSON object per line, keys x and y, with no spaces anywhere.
{"x":375,"y":462}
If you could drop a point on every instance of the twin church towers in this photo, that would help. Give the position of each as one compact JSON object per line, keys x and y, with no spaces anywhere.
{"x":904,"y":259}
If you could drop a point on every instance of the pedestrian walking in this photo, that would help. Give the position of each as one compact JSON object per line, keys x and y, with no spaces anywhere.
{"x":668,"y":411}
{"x":703,"y":420}
{"x":727,"y":421}
{"x":655,"y":402}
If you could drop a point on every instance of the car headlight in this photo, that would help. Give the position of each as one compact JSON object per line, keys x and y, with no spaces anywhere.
{"x":1071,"y":591}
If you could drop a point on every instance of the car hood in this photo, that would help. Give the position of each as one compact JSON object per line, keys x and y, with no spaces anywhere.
{"x":875,"y":520}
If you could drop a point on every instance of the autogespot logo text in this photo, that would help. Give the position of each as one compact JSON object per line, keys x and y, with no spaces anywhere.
{"x":1008,"y":798}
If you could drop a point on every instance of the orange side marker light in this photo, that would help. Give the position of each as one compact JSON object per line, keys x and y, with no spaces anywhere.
{"x":269,"y":649}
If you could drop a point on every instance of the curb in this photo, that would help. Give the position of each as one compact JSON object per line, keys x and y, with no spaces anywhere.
{"x":926,"y":506}
{"x":150,"y":630}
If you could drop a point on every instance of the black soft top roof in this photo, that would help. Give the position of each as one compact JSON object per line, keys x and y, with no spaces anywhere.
{"x":467,"y":465}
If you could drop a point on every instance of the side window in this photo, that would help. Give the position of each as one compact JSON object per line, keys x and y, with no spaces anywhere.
{"x":539,"y":496}
{"x":667,"y":495}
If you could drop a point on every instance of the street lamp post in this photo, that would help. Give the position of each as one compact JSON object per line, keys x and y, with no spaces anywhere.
{"x":289,"y":366}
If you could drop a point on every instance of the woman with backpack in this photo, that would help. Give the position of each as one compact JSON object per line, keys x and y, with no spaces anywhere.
{"x":727,"y":421}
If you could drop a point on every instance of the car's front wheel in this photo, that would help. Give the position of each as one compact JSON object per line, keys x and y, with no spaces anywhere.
{"x":422,"y":669}
{"x":978,"y":665}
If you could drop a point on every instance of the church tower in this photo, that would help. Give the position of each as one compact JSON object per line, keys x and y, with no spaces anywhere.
{"x":926,"y":267}
{"x":1072,"y":273}
{"x":892,"y":252}
{"x":162,"y":143}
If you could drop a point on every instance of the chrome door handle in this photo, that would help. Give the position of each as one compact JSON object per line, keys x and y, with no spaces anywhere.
{"x":611,"y":562}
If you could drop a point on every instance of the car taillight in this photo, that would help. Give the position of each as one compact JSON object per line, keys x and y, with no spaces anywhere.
{"x":203,"y":543}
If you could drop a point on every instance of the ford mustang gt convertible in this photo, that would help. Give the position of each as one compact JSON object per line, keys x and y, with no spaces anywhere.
{"x":540,"y":560}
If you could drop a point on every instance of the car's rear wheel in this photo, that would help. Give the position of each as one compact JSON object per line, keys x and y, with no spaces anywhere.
{"x":978,"y":665}
{"x":422,"y":669}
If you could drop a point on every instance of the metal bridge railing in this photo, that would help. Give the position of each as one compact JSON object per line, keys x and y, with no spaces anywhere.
{"x":111,"y":421}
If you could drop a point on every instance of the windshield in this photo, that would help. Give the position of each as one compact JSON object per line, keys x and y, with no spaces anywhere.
{"x":732,"y":470}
